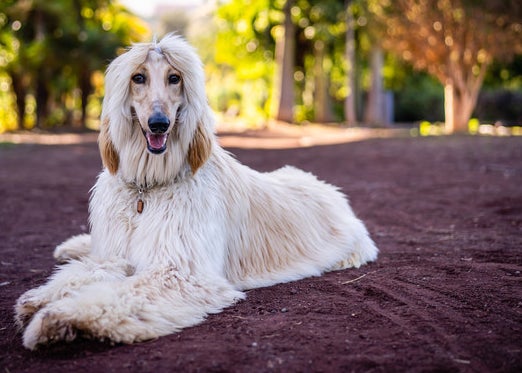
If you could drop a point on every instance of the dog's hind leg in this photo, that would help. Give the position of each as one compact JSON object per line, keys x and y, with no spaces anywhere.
{"x":140,"y":307}
{"x":362,"y":249}
{"x":75,"y":247}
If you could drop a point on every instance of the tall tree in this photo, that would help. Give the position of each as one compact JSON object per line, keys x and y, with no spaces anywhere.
{"x":375,"y":115}
{"x":455,"y":41}
{"x":323,"y":108}
{"x":350,"y":113}
{"x":285,"y":60}
{"x":322,"y":24}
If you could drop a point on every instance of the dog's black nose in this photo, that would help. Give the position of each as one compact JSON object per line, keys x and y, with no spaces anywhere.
{"x":158,"y":123}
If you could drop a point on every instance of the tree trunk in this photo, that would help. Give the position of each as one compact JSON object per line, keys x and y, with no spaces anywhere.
{"x":84,"y":74}
{"x":285,"y":57}
{"x":42,"y":90}
{"x":42,"y":100}
{"x":21,"y":101}
{"x":458,"y":107}
{"x":375,"y":105}
{"x":85,"y":88}
{"x":350,"y":113}
{"x":461,"y":90}
{"x":323,"y":110}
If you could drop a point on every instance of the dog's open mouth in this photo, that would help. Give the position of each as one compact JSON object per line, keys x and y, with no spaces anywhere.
{"x":156,"y":142}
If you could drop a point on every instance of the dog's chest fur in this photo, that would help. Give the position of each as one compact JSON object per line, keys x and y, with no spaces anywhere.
{"x":160,"y":232}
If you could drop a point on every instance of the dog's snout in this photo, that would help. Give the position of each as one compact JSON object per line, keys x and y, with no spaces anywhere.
{"x":158,"y":123}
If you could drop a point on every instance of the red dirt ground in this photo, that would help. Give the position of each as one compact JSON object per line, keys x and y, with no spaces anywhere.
{"x":444,"y":295}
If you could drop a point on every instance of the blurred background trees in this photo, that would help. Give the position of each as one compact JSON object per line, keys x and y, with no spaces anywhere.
{"x":455,"y":41}
{"x":356,"y":62}
{"x":377,"y":61}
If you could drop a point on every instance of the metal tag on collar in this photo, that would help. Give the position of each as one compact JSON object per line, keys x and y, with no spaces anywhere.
{"x":140,"y":204}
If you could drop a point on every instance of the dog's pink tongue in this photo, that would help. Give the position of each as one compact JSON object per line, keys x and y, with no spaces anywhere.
{"x":156,"y":141}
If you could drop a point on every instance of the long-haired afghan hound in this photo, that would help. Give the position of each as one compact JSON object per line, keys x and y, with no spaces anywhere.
{"x":179,"y":228}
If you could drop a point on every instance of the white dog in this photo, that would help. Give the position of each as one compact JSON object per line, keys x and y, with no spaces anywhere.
{"x":178,"y":227}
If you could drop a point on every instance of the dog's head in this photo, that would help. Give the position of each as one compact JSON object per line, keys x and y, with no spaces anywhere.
{"x":155,"y":116}
{"x":155,"y":98}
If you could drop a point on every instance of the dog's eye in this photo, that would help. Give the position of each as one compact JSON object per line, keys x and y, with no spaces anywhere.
{"x":174,"y":79}
{"x":138,"y":78}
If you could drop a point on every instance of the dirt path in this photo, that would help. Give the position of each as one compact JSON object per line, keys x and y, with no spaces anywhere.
{"x":445,"y":294}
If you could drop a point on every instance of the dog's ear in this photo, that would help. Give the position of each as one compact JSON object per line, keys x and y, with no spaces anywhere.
{"x":109,"y":155}
{"x":200,"y":148}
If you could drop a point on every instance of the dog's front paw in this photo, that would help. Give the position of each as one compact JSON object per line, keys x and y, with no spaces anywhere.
{"x":27,"y":305}
{"x":48,"y":327}
{"x":73,"y":248}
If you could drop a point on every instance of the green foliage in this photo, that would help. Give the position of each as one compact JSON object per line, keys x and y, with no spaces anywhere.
{"x":244,"y":58}
{"x":7,"y":103}
{"x":505,"y":75}
{"x":473,"y":126}
{"x":246,"y":41}
{"x":418,"y":97}
{"x":499,"y":105}
{"x":245,"y":52}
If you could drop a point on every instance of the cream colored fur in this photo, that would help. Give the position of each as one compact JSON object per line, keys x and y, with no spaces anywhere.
{"x":210,"y":227}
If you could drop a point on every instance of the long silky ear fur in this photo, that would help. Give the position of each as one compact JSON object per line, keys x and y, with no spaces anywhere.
{"x":109,"y":155}
{"x":199,"y":149}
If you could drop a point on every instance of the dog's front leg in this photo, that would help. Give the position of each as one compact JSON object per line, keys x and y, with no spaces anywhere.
{"x":67,"y":280}
{"x":140,"y":307}
{"x":75,"y":247}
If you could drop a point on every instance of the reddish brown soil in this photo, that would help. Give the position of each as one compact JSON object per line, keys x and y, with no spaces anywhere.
{"x":444,"y":295}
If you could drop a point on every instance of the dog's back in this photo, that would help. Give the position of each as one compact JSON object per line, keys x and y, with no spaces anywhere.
{"x":286,"y":225}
